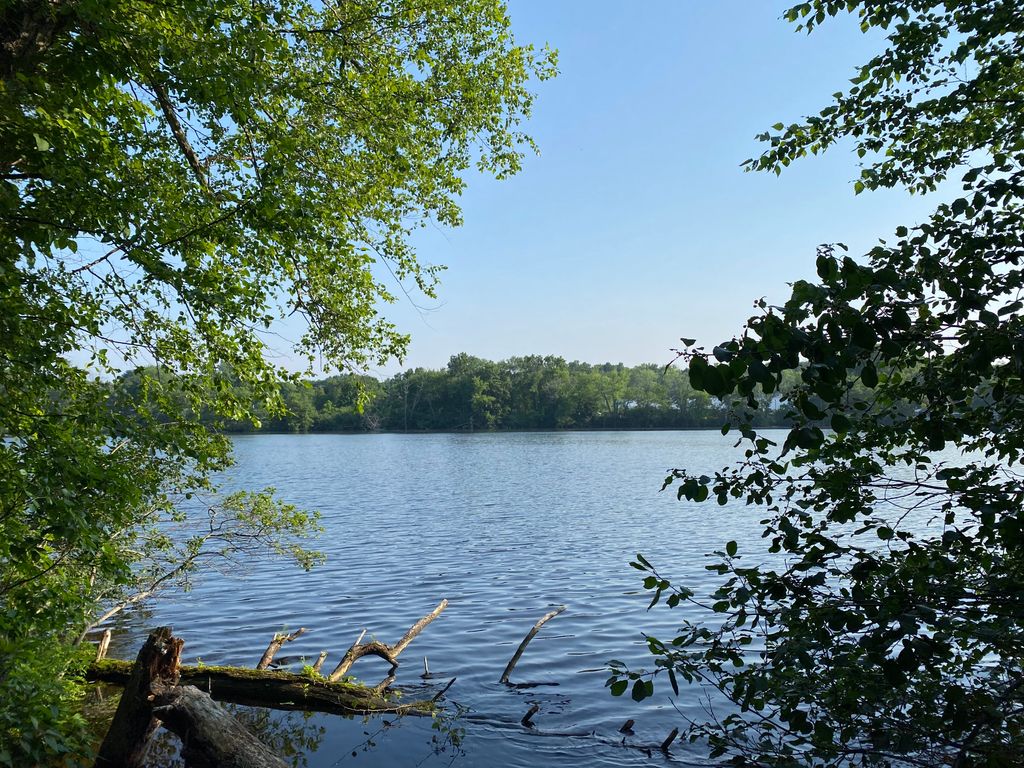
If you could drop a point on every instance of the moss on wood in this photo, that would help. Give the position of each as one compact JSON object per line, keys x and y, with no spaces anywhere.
{"x":275,"y":689}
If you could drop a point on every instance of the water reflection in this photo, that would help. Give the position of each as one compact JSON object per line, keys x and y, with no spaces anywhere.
{"x":293,"y":736}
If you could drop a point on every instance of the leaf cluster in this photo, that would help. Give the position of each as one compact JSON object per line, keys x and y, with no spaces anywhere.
{"x":885,"y":623}
{"x":176,"y":178}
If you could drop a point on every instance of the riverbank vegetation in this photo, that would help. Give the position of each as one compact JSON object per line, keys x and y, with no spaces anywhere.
{"x":174,"y":179}
{"x":472,"y":394}
{"x":884,"y":625}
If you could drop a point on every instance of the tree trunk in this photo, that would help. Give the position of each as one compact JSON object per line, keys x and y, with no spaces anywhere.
{"x":127,"y":740}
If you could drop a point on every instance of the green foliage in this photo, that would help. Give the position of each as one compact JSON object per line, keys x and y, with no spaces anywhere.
{"x":38,"y":710}
{"x":885,"y":625}
{"x":520,"y":393}
{"x":173,"y":179}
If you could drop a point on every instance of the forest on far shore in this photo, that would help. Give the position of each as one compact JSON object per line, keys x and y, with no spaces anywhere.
{"x":520,"y":393}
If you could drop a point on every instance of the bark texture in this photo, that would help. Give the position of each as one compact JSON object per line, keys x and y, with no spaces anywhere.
{"x":210,"y":735}
{"x":127,"y":740}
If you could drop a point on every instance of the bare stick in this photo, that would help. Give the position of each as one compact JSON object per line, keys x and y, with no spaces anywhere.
{"x":526,"y":641}
{"x":275,"y":646}
{"x":528,"y":717}
{"x":320,"y":661}
{"x":101,"y":649}
{"x":376,"y":648}
{"x":444,"y":690}
{"x":347,"y":660}
{"x":671,"y":737}
{"x":416,"y":628}
{"x":383,"y":685}
{"x":627,"y":727}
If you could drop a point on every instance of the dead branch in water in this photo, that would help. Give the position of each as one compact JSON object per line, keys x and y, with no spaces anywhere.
{"x":526,"y":641}
{"x":275,"y":646}
{"x":376,"y":648}
{"x":270,"y":688}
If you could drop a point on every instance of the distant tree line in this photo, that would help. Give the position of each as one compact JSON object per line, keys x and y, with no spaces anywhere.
{"x":520,"y":393}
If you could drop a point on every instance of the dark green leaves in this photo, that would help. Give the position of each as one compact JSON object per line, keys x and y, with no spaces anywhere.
{"x":869,"y":375}
{"x":888,"y":601}
{"x":642,"y":689}
{"x":176,"y":178}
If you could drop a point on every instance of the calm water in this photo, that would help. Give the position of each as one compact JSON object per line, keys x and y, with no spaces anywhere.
{"x":505,"y":526}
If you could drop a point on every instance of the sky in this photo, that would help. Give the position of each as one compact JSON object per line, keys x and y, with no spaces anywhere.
{"x":636,"y":224}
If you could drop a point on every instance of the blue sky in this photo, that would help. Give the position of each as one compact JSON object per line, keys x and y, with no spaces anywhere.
{"x":636,"y":225}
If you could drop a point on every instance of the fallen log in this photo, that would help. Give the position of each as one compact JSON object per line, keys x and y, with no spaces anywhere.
{"x":266,"y":688}
{"x":210,"y":735}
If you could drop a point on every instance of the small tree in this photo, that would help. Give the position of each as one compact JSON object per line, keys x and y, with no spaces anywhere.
{"x":888,"y":626}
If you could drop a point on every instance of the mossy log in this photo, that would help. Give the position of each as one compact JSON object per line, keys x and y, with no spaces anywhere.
{"x":274,"y":689}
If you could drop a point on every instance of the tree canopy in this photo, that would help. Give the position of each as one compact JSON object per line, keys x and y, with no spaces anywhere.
{"x":885,"y":623}
{"x":174,"y":178}
{"x":472,"y":394}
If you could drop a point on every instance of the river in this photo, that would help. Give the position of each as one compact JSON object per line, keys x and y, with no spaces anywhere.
{"x":505,"y":526}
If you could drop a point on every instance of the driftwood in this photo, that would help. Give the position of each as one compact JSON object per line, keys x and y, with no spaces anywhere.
{"x":320,"y":661}
{"x":127,"y":740}
{"x":376,"y":648}
{"x":667,"y":742}
{"x":268,"y":688}
{"x":444,"y":690}
{"x":185,"y":699}
{"x":275,"y":646}
{"x":104,"y":644}
{"x":526,"y":640}
{"x":210,"y":735}
{"x":528,"y":717}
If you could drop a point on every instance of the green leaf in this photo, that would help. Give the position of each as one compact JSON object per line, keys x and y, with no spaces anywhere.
{"x":868,"y":375}
{"x":642,"y":689}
